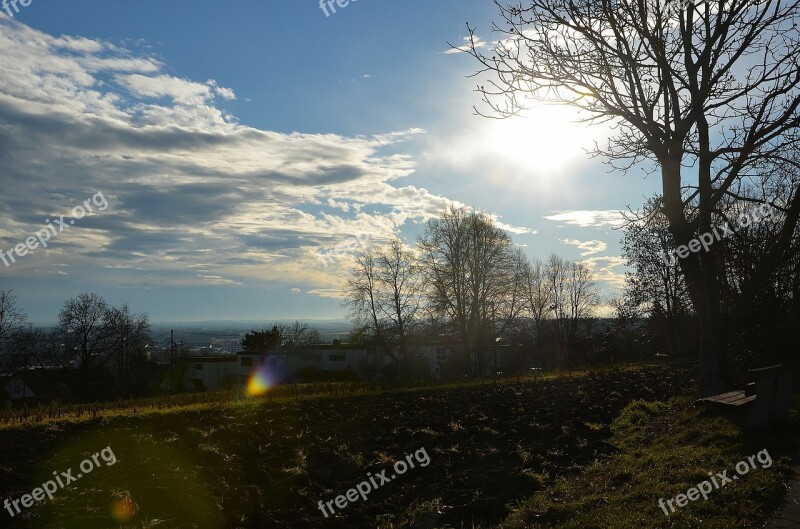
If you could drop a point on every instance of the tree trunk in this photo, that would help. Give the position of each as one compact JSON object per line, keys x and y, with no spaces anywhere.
{"x":703,"y":288}
{"x":672,"y":336}
{"x":712,"y":351}
{"x":700,"y":272}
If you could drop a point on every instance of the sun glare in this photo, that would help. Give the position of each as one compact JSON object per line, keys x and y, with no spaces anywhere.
{"x":259,"y":383}
{"x":546,"y":137}
{"x":123,"y":509}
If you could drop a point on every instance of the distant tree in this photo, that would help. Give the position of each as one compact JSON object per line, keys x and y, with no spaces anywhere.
{"x":130,"y":335}
{"x":363,"y":297}
{"x":287,"y":341}
{"x":537,"y":296}
{"x":12,"y":322}
{"x":42,"y":348}
{"x":400,"y":292}
{"x":297,"y":336}
{"x":624,"y":339}
{"x":555,"y":273}
{"x":385,"y":296}
{"x":655,"y":284}
{"x":582,"y":298}
{"x":296,"y":339}
{"x":473,"y":276}
{"x":573,"y":295}
{"x":27,"y":342}
{"x":87,"y":323}
{"x":46,"y":349}
{"x":261,"y":342}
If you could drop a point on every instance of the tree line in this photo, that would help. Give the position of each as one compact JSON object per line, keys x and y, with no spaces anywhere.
{"x":98,"y":349}
{"x":656,"y":305}
{"x":466,"y":285}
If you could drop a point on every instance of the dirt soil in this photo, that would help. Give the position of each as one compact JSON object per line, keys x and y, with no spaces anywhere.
{"x":269,"y":466}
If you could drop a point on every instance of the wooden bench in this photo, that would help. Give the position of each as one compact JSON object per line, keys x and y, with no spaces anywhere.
{"x":763,"y":401}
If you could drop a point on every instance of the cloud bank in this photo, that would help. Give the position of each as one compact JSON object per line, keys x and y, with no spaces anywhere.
{"x":195,"y":196}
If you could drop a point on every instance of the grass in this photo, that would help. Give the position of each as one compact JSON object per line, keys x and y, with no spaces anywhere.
{"x":663,"y":449}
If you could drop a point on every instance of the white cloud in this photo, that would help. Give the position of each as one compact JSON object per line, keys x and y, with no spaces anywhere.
{"x":328,"y":293}
{"x":217,"y":280}
{"x":516,"y":230}
{"x":79,"y":44}
{"x":225,"y":93}
{"x":607,"y":269}
{"x":344,"y":206}
{"x":179,"y":90}
{"x":588,"y":247}
{"x":587,"y":218}
{"x":479,"y":43}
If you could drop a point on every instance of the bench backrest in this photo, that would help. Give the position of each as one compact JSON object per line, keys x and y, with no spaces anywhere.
{"x":773,"y":388}
{"x":766,"y":372}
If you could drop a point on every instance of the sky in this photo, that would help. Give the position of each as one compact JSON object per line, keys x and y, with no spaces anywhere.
{"x":235,"y":156}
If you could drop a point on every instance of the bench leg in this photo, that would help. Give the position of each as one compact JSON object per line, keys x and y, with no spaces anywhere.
{"x":780,"y":403}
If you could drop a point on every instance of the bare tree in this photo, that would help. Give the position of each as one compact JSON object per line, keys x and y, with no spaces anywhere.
{"x":88,"y":325}
{"x":400,"y":293}
{"x":385,"y":297}
{"x":12,"y":321}
{"x":712,"y":85}
{"x":36,"y":346}
{"x":537,"y":296}
{"x":297,"y":336}
{"x":573,"y":296}
{"x":582,"y":298}
{"x":130,"y":334}
{"x":292,"y":341}
{"x":363,"y":297}
{"x":655,"y":284}
{"x":473,"y":276}
{"x":556,"y":276}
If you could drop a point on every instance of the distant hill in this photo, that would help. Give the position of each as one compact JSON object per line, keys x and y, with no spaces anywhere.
{"x":203,"y":331}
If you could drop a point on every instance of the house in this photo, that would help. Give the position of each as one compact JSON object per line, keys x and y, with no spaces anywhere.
{"x":15,"y":388}
{"x":226,"y":346}
{"x":34,"y":384}
{"x":424,"y":358}
{"x":434,"y":355}
{"x":341,"y":356}
{"x":207,"y":372}
{"x":216,"y":372}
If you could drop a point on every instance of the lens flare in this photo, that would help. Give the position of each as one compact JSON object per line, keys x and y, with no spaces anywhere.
{"x":259,"y":383}
{"x":123,"y":509}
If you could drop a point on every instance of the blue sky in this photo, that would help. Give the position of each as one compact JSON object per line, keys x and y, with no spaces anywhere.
{"x":234,"y":143}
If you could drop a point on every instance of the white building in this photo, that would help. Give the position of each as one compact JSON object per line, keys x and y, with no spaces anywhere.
{"x":215,"y":372}
{"x":226,"y":371}
{"x":16,"y":388}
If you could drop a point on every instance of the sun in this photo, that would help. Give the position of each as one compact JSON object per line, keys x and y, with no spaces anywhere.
{"x":545,"y":138}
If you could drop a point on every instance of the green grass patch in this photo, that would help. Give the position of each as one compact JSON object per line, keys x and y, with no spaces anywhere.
{"x":665,"y":448}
